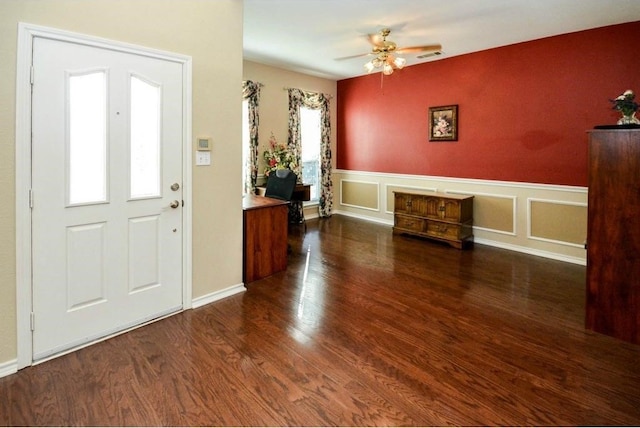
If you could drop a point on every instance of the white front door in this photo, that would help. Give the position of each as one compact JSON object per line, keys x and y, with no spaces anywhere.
{"x":107,"y":192}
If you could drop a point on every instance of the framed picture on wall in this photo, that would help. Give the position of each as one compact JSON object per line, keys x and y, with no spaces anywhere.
{"x":443,"y":123}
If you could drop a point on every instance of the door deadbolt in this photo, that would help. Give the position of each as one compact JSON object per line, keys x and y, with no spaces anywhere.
{"x":175,"y":186}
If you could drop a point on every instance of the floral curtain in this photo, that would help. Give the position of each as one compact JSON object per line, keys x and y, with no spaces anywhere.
{"x":251,"y":93}
{"x":312,"y":100}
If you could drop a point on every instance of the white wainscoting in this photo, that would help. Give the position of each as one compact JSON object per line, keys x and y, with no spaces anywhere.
{"x":514,"y":217}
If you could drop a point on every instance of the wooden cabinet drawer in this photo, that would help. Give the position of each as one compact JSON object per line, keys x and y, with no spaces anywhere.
{"x":409,"y":223}
{"x":443,"y":230}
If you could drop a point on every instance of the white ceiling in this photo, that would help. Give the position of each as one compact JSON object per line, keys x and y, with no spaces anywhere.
{"x":308,"y":35}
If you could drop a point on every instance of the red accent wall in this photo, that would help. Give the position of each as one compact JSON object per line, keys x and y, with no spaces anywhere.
{"x":524,"y":109}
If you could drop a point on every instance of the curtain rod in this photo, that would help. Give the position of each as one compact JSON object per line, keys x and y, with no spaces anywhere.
{"x":328,"y":96}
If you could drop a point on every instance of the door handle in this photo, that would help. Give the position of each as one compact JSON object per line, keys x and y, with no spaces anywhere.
{"x":174,"y":204}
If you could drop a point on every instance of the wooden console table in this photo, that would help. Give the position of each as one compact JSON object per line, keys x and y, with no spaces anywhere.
{"x":265,"y":231}
{"x":302,"y":193}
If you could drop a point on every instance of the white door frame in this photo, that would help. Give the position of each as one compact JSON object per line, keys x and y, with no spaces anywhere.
{"x":26,"y":34}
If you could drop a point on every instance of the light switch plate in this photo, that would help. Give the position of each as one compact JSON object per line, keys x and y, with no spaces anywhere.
{"x":203,"y":158}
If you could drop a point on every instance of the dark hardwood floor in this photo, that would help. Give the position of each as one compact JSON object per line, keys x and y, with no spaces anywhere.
{"x":379,"y":330}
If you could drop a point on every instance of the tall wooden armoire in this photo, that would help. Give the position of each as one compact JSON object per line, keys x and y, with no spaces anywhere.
{"x":613,"y":234}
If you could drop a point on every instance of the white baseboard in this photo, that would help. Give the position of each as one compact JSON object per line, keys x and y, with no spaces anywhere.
{"x":364,"y":217}
{"x":531,"y":251}
{"x":8,"y":368}
{"x":217,"y":295}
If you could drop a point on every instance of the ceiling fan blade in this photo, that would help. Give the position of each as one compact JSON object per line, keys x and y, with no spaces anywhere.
{"x":376,"y":39}
{"x":353,"y":56}
{"x":416,"y":49}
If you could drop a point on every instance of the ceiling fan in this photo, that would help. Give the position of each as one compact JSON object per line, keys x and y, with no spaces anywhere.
{"x":386,"y":52}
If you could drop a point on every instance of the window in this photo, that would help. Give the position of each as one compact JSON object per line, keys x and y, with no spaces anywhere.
{"x":87,"y":151}
{"x":245,"y":145}
{"x":310,"y":136}
{"x":145,"y":139}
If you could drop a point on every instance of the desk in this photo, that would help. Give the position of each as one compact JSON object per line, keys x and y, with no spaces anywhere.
{"x":264,"y":236}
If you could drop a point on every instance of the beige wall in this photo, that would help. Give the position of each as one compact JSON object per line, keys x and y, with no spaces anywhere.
{"x":211,"y":33}
{"x":274,"y":101}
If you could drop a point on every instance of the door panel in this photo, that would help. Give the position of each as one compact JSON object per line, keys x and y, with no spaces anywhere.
{"x":85,"y":269}
{"x":144,"y":242}
{"x":107,"y":145}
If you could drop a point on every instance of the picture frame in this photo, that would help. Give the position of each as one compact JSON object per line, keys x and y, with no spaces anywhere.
{"x":443,"y":123}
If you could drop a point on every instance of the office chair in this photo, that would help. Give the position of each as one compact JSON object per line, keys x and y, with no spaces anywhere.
{"x":281,"y":188}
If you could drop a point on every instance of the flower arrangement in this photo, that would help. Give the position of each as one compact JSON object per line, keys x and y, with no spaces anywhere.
{"x":277,"y":157}
{"x":625,"y":103}
{"x":441,"y":128}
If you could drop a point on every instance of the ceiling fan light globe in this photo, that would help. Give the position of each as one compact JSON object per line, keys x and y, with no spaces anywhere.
{"x":387,"y":69}
{"x":400,"y":62}
{"x":377,"y":62}
{"x":369,"y":67}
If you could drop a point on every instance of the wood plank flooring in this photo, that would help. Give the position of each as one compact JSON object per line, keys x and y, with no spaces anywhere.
{"x":363,"y":329}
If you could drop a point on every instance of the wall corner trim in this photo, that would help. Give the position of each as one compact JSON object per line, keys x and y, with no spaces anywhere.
{"x":476,"y":181}
{"x":217,"y":295}
{"x":8,"y":368}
